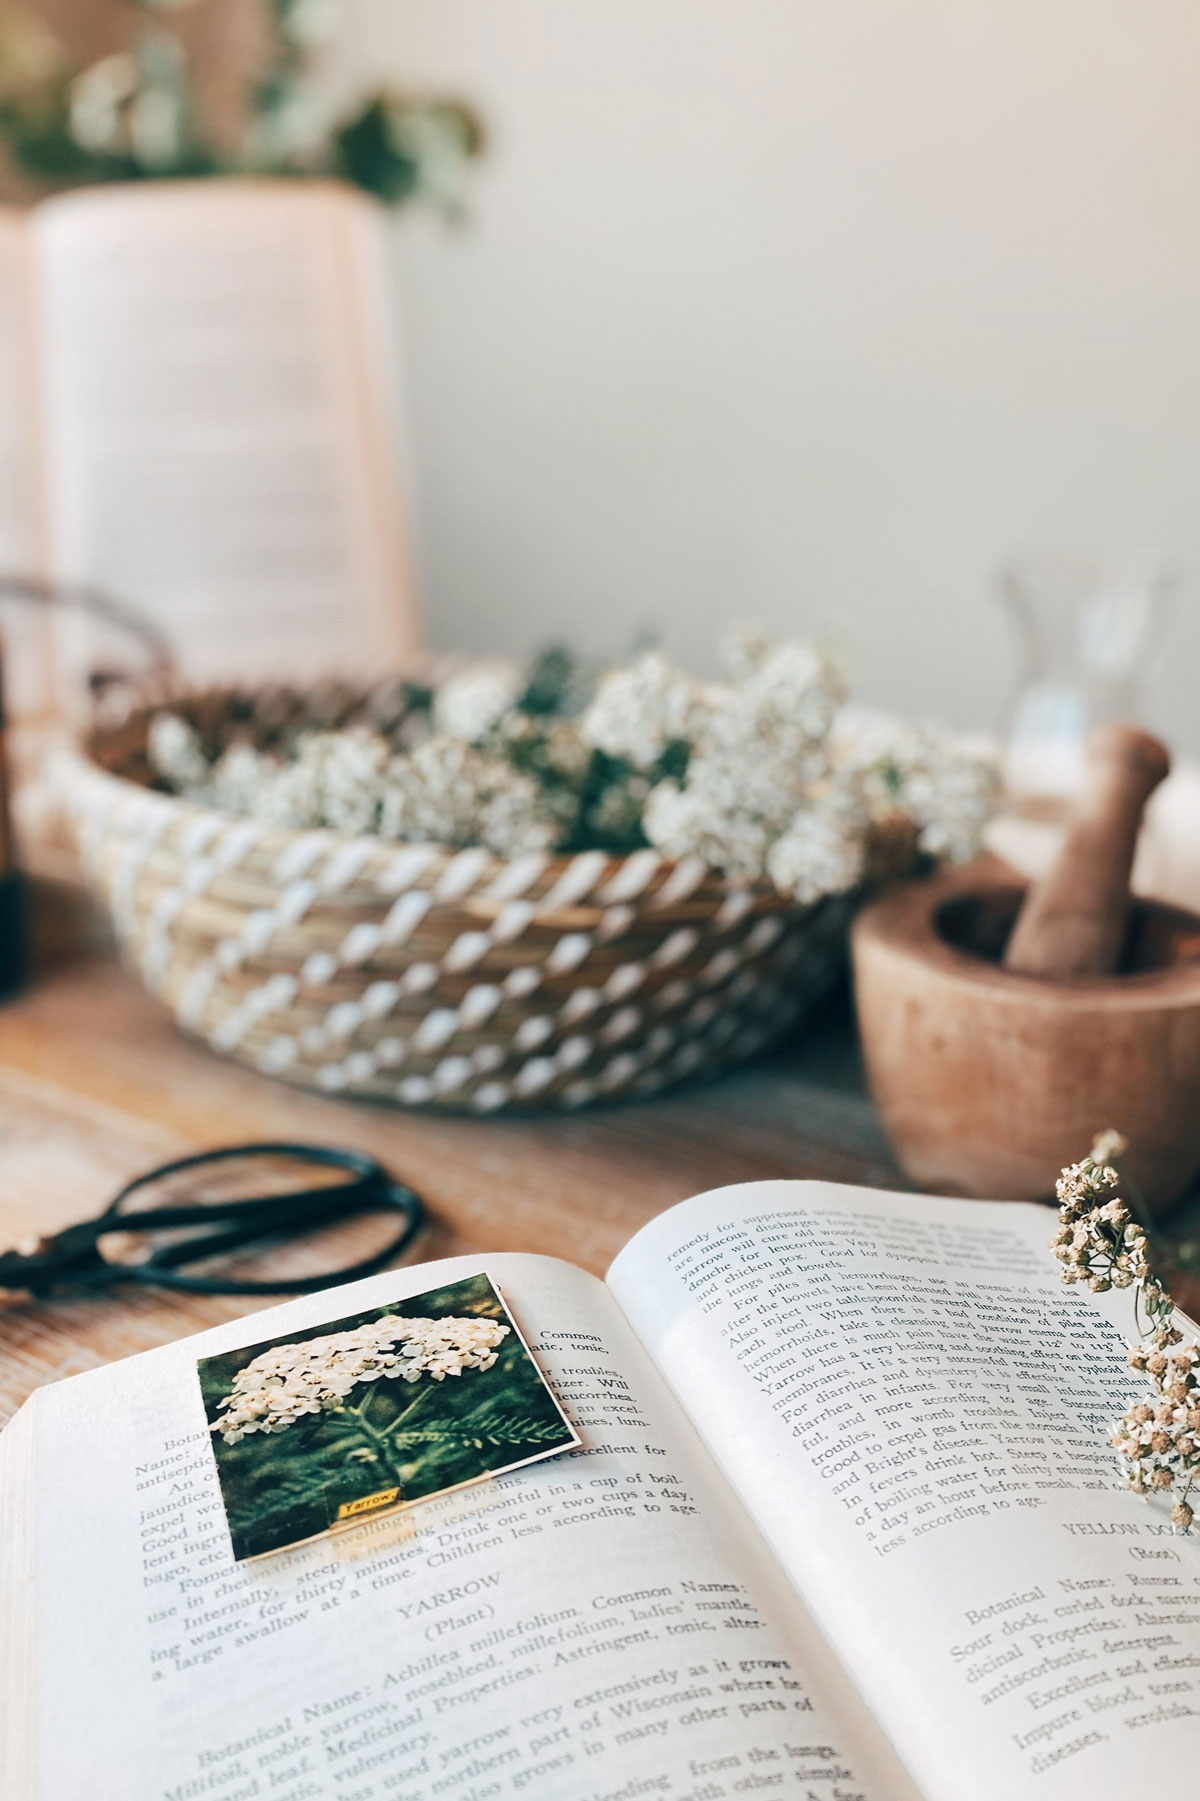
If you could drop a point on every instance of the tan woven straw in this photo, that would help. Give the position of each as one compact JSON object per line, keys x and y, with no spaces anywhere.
{"x":437,"y":977}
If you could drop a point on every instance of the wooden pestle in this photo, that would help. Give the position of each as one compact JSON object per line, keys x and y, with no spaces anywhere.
{"x":1073,"y":921}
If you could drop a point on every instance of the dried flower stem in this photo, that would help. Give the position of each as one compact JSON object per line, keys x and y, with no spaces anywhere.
{"x":1100,"y":1244}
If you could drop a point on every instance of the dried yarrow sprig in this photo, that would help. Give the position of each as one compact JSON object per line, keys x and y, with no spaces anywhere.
{"x":1099,"y":1243}
{"x":767,"y":775}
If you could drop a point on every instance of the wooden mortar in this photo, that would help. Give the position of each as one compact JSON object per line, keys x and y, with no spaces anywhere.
{"x":988,"y":1082}
{"x":996,"y":1042}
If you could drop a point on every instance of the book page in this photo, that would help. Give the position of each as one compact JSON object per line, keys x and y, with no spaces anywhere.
{"x":17,"y":1601}
{"x":28,"y":668}
{"x":600,"y":1625}
{"x":221,"y":452}
{"x":916,"y":1412}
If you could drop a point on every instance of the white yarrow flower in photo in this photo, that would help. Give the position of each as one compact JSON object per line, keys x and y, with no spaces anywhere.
{"x":289,"y":1381}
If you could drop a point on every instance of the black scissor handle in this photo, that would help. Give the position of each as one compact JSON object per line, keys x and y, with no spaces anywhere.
{"x":324,"y":1156}
{"x":250,"y":1219}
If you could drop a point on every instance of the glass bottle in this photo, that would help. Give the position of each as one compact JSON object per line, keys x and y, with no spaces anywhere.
{"x":1086,"y":633}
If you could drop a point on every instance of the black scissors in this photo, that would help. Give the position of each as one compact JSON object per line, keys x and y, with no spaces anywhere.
{"x":74,"y":1258}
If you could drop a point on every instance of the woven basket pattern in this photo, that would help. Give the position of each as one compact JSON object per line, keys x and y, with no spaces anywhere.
{"x":443,"y":978}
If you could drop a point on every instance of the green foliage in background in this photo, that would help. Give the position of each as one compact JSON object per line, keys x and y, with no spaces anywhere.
{"x":421,"y":1437}
{"x":134,"y":115}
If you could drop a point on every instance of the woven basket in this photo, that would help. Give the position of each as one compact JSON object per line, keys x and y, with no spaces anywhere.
{"x":437,"y":977}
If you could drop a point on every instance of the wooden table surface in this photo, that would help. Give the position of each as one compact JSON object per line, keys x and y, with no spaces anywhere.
{"x":97,"y":1085}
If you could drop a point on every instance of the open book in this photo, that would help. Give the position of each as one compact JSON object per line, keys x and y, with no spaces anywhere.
{"x":842,"y":1523}
{"x":195,"y":416}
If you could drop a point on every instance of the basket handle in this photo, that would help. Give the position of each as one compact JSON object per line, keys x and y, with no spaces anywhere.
{"x":84,"y":597}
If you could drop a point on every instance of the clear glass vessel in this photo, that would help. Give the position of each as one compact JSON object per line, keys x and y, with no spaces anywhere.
{"x":1086,"y":633}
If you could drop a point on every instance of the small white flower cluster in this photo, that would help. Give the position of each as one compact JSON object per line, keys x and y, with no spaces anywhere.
{"x":1159,"y":1442}
{"x":766,"y":776}
{"x":756,"y":799}
{"x":945,"y":789}
{"x":472,"y":702}
{"x":175,"y":753}
{"x":1099,"y":1244}
{"x":442,"y":791}
{"x":449,"y":791}
{"x":640,"y":710}
{"x":823,"y":848}
{"x":290,"y":1381}
{"x":335,"y":777}
{"x":771,"y":789}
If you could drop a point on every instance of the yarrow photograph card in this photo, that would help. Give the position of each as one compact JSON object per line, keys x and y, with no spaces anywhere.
{"x":322,"y":1429}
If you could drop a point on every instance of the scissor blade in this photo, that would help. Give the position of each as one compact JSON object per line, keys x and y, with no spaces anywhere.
{"x":284,"y":1216}
{"x":330,"y":1201}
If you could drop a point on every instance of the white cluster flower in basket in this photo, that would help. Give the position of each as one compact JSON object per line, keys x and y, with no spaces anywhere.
{"x":946,"y":790}
{"x":336,"y":776}
{"x":823,"y":849}
{"x":754,"y":758}
{"x":290,"y":1381}
{"x":640,"y":710}
{"x":470,"y":703}
{"x":449,"y":790}
{"x":759,"y":799}
{"x":788,"y":698}
{"x":175,"y":752}
{"x":766,"y":776}
{"x":689,"y":821}
{"x":243,"y":781}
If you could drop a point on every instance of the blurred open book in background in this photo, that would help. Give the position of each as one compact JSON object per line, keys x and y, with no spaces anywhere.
{"x":195,"y":394}
{"x":196,"y":390}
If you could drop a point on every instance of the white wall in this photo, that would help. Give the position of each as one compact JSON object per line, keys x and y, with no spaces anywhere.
{"x":805,"y":314}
